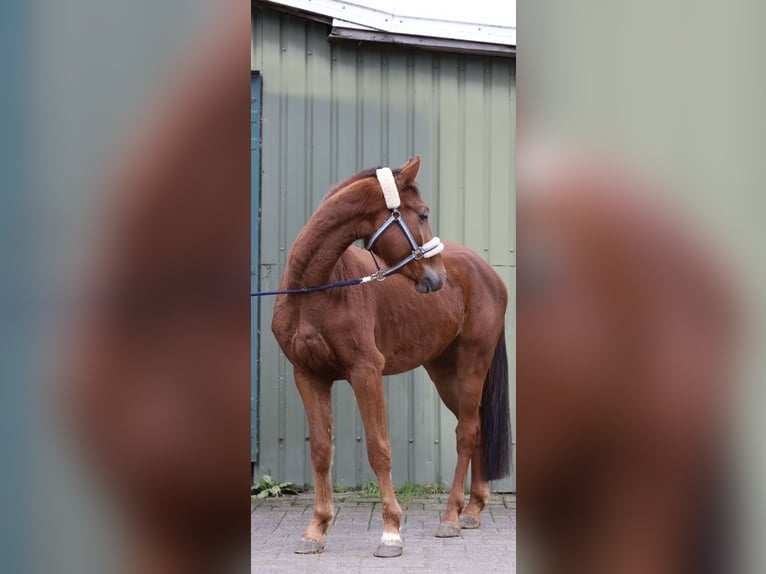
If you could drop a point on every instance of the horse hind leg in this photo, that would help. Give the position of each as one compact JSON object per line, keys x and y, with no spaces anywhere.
{"x":494,"y":436}
{"x":471,"y":516}
{"x":367,"y":383}
{"x":317,"y":401}
{"x":467,"y":431}
{"x":459,"y":379}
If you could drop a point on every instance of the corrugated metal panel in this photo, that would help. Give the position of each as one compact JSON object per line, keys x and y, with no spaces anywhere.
{"x":255,"y":206}
{"x":330,"y":110}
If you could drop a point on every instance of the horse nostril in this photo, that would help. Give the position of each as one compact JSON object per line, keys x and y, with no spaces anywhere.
{"x":431,"y":281}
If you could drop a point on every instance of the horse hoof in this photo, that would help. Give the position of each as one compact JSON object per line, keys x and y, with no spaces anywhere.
{"x":388,"y":551}
{"x":447,"y":530}
{"x":469,"y":522}
{"x":309,"y":546}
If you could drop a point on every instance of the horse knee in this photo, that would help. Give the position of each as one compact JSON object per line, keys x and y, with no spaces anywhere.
{"x":379,"y":455}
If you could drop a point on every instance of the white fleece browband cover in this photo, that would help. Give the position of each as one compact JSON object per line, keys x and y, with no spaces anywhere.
{"x":388,"y":185}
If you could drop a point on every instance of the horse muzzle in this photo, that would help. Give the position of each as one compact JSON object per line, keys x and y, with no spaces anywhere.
{"x":430,"y":281}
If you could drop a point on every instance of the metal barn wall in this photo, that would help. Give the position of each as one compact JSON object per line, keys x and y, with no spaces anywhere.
{"x":329,"y":111}
{"x":255,"y":251}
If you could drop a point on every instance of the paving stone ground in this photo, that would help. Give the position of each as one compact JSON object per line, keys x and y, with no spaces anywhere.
{"x":277,"y":525}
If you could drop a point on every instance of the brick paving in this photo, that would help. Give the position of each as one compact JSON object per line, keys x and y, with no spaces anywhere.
{"x":276,"y":526}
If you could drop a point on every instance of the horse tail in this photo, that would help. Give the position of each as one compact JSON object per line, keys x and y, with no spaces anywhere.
{"x":496,"y":416}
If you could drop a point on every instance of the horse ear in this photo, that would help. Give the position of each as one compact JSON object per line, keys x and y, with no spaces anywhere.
{"x":410,"y":170}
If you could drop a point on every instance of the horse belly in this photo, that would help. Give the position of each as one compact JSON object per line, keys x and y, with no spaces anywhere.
{"x":413,"y":340}
{"x":401,"y":363}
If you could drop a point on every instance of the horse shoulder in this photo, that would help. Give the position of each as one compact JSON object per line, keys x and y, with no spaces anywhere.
{"x":474,"y":272}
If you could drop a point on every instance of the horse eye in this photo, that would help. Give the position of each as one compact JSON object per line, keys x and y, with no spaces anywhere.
{"x":423,"y":216}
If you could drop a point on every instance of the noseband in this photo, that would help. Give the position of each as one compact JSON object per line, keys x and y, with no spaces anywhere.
{"x":430,"y":248}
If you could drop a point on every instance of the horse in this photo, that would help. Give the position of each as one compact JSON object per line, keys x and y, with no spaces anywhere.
{"x":443,"y":310}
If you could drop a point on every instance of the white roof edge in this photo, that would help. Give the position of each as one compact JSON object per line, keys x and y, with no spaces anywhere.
{"x":390,"y":19}
{"x":336,"y":23}
{"x":341,"y":25}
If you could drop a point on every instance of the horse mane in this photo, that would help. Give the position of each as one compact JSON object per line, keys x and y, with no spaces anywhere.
{"x":359,"y":176}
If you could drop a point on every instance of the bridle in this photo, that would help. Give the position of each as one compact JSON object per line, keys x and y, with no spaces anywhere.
{"x":432,"y":247}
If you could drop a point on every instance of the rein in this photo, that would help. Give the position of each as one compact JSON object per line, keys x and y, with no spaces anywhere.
{"x":430,"y":248}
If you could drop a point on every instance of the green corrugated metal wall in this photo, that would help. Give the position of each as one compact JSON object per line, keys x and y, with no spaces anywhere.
{"x":329,"y":111}
{"x":255,"y":251}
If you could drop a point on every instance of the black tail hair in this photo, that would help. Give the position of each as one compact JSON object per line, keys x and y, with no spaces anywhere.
{"x":496,"y":417}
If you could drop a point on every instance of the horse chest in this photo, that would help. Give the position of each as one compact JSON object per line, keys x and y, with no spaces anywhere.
{"x":310,"y":349}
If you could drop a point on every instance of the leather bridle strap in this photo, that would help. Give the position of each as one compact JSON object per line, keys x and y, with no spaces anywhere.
{"x":432,"y":247}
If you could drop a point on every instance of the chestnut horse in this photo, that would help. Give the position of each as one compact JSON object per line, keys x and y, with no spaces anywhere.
{"x":444,"y":312}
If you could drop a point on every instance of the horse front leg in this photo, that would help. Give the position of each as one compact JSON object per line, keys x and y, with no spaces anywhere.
{"x":317,"y":400}
{"x":367,"y":383}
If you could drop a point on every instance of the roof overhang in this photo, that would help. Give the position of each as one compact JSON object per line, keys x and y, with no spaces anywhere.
{"x":481,"y":26}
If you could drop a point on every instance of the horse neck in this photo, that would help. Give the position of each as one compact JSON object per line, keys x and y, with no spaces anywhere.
{"x":337,"y":223}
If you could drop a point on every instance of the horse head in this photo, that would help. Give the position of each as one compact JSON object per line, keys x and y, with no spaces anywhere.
{"x":428,"y":271}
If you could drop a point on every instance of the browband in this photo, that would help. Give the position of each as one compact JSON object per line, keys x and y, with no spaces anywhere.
{"x":388,"y":185}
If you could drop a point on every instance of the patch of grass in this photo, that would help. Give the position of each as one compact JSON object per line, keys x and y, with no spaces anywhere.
{"x":405,"y":493}
{"x":411,"y":490}
{"x":267,"y":486}
{"x":372,"y":490}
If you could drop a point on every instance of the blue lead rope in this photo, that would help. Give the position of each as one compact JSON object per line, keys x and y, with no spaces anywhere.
{"x":311,"y":289}
{"x":379,"y":275}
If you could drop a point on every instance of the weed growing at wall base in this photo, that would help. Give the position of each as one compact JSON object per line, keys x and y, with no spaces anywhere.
{"x":267,"y":486}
